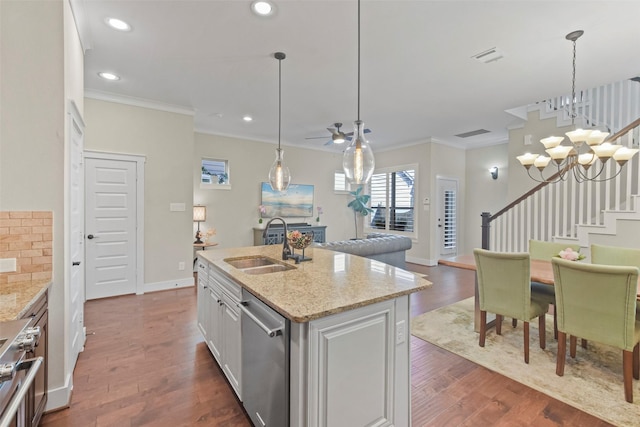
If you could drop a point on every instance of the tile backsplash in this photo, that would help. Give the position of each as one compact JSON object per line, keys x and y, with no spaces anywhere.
{"x":27,"y":236}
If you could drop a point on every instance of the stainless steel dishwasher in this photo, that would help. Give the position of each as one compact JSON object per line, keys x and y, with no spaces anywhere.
{"x":265,"y":363}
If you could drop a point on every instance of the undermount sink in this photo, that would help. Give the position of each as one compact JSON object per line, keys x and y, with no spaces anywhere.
{"x":258,"y":265}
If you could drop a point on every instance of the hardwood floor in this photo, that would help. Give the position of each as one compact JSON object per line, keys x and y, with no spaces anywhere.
{"x":145,"y":364}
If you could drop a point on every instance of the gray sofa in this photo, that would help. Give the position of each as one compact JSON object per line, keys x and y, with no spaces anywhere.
{"x":387,"y":248}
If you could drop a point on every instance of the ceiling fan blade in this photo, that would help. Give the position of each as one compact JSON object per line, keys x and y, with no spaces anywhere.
{"x":316,"y":137}
{"x":329,"y":142}
{"x":349,"y":134}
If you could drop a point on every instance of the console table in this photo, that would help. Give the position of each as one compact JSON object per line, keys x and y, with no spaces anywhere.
{"x":275,"y":235}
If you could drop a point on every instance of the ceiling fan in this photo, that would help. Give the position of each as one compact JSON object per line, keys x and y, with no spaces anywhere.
{"x":337,"y":136}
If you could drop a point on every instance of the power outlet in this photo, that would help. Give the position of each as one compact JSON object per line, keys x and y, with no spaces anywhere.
{"x":400,"y":332}
{"x":181,"y":265}
{"x":8,"y":265}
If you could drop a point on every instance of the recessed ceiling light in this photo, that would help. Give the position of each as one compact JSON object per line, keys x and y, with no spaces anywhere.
{"x":109,"y":76}
{"x":118,"y":24}
{"x":262,"y":8}
{"x":247,"y":118}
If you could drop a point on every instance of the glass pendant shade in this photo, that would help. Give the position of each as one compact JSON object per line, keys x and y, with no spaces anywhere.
{"x":358,"y":161}
{"x":279,"y":175}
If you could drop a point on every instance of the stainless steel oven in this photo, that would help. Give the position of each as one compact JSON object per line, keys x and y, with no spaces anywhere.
{"x":16,"y":372}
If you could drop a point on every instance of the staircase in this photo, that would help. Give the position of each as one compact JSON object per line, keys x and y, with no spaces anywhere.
{"x":569,"y":211}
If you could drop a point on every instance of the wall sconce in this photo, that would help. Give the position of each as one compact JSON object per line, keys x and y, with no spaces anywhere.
{"x":199,"y":215}
{"x":494,"y":172}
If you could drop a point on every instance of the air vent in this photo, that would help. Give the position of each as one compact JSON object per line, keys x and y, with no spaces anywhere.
{"x":489,"y":55}
{"x":472,"y":133}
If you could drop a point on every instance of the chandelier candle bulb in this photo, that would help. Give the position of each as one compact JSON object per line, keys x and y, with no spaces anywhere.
{"x":578,"y":136}
{"x":552,"y":141}
{"x":527,"y":159}
{"x":624,"y":154}
{"x":605,"y":150}
{"x":596,"y":137}
{"x":587,"y":159}
{"x":541,"y":162}
{"x":559,"y":153}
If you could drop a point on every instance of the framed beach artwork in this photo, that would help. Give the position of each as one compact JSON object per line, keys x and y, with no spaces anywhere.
{"x":297,"y":201}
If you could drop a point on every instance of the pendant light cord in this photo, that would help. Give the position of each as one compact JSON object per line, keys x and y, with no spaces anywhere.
{"x":358,"y":60}
{"x":279,"y":100}
{"x":573,"y":86}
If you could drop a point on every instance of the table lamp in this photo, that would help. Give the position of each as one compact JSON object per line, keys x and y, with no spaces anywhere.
{"x":199,"y":215}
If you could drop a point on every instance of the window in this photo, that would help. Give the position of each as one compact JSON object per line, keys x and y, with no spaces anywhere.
{"x":392,"y":200}
{"x":214,"y":174}
{"x":340,"y":184}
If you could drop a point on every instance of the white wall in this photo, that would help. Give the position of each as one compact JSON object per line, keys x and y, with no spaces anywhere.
{"x":234,"y":213}
{"x":39,"y":46}
{"x":484,"y":194}
{"x":166,"y":140}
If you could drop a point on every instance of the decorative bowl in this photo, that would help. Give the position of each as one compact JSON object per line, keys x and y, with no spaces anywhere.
{"x":297,"y":240}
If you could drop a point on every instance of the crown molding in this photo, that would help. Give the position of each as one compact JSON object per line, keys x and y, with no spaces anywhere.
{"x":138,"y":102}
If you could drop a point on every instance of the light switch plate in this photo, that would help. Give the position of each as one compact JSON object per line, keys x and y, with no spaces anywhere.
{"x":176,"y":207}
{"x":7,"y":265}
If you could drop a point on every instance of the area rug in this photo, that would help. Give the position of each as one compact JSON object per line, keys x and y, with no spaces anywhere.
{"x":592,"y":382}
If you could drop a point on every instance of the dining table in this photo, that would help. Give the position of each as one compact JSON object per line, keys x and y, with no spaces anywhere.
{"x":541,"y":271}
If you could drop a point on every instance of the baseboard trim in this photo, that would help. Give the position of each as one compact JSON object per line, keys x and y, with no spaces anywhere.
{"x":421,"y":261}
{"x":169,"y":284}
{"x":59,"y":398}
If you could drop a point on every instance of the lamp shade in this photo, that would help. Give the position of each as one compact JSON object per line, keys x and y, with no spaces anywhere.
{"x":199,"y":213}
{"x":358,"y":161}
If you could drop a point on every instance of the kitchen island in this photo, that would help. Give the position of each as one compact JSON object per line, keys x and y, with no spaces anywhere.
{"x":348,"y":342}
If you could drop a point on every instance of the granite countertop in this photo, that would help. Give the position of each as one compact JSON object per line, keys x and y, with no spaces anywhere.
{"x":16,"y":298}
{"x":331,"y":283}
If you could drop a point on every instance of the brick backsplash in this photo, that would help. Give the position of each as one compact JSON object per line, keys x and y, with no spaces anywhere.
{"x":28,"y":237}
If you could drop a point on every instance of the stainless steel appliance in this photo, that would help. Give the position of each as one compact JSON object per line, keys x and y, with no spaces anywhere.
{"x":16,"y":373}
{"x":265,"y":363}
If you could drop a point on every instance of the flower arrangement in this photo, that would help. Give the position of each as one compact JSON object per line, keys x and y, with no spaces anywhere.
{"x":298,"y":240}
{"x":320,"y":212}
{"x":570,"y":254}
{"x":210,"y":233}
{"x":262,"y":210}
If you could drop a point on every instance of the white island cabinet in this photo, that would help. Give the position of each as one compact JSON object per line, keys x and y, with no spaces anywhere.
{"x":349,"y":362}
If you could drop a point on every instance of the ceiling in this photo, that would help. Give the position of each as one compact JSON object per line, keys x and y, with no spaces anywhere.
{"x":418,"y":77}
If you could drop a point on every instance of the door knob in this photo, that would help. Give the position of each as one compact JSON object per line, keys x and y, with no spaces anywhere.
{"x":90,"y":236}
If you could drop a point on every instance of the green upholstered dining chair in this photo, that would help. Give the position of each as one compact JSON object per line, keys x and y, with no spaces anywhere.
{"x":504,"y":289}
{"x":598,"y":303}
{"x":614,"y":255}
{"x":542,"y":250}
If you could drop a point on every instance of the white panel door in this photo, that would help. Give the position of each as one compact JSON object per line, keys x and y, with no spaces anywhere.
{"x":76,"y":237}
{"x":110,"y":227}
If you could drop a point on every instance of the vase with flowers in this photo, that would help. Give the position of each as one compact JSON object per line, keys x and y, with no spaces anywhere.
{"x":261,"y":210}
{"x":570,"y":254}
{"x":209,"y":234}
{"x":320,"y":212}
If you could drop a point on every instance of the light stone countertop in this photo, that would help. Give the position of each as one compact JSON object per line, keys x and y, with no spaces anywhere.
{"x":331,"y":283}
{"x":16,"y":298}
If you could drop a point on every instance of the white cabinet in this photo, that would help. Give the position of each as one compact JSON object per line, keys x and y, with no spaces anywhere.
{"x":203,"y":293}
{"x":355,"y":370}
{"x":231,"y":335}
{"x":214,"y":322}
{"x":219,"y":321}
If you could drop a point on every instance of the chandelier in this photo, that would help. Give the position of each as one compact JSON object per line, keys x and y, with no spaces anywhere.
{"x":573,"y":157}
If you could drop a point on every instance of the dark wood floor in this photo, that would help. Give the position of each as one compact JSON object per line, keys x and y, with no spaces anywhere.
{"x":145,"y":364}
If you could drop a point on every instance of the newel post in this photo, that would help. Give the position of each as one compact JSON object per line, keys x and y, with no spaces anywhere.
{"x":486,"y":229}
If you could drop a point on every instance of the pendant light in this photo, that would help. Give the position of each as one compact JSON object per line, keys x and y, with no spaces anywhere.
{"x":279,"y":175}
{"x":358,"y":161}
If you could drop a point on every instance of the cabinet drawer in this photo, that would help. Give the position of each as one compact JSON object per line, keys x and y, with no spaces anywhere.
{"x":228,"y":285}
{"x":203,"y":268}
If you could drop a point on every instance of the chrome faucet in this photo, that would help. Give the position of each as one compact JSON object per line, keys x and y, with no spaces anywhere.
{"x":286,"y":250}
